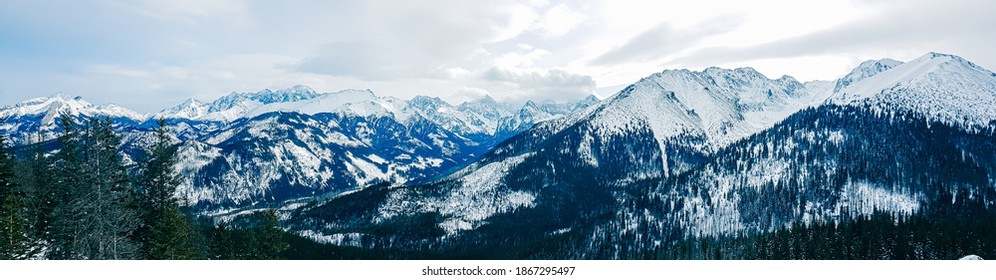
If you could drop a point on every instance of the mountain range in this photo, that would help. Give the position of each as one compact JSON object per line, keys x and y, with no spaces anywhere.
{"x":710,"y":154}
{"x":268,"y":148}
{"x":678,"y":155}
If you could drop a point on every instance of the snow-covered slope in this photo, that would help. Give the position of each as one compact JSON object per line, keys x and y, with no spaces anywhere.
{"x":355,"y":102}
{"x":944,"y":87}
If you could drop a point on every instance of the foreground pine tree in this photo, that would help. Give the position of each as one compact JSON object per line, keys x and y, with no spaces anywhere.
{"x":169,"y":234}
{"x":91,"y":220}
{"x":270,"y":237}
{"x":172,"y":237}
{"x":34,"y":176}
{"x":14,"y":240}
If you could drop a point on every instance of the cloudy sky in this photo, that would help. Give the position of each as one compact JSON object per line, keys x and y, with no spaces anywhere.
{"x":151,"y":54}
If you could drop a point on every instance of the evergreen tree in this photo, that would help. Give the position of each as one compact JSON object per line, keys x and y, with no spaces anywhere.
{"x":269,"y":237}
{"x":222,"y":245}
{"x":158,"y":176}
{"x":14,"y":240}
{"x":170,"y":233}
{"x":34,"y":175}
{"x":172,"y":237}
{"x":91,"y":218}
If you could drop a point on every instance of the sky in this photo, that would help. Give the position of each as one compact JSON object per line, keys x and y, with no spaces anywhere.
{"x":151,"y":54}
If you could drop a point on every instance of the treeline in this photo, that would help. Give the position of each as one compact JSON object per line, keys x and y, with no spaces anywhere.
{"x":878,"y":236}
{"x":83,"y":201}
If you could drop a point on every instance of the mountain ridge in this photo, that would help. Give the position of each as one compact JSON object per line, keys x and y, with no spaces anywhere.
{"x":608,"y":171}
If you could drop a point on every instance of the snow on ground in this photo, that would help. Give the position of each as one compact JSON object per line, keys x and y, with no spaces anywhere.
{"x":865,"y":198}
{"x":479,"y":196}
{"x":971,"y":258}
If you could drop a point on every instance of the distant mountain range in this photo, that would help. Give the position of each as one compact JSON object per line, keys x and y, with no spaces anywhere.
{"x":250,"y":150}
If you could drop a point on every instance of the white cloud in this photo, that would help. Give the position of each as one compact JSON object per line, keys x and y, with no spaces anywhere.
{"x":517,"y":19}
{"x":526,"y":59}
{"x":472,"y":93}
{"x":409,"y":40}
{"x":559,"y":20}
{"x":193,"y":10}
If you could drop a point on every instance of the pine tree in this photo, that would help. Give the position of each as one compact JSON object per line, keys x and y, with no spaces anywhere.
{"x":158,"y":177}
{"x":91,"y":220}
{"x":222,"y":246}
{"x":14,"y":240}
{"x":172,"y":237}
{"x":171,"y":234}
{"x":269,"y":237}
{"x":34,"y":175}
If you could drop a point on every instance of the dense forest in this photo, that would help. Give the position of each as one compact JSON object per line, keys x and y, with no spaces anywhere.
{"x":878,"y":236}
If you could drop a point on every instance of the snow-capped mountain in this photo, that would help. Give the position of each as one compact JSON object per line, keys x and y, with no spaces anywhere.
{"x":50,"y":107}
{"x":685,"y":154}
{"x":588,"y":101}
{"x":191,"y":109}
{"x":695,"y":112}
{"x":334,"y":142}
{"x":281,"y":156}
{"x":474,"y":118}
{"x":350,"y":102}
{"x":237,"y":104}
{"x":486,"y":120}
{"x":944,"y":87}
{"x":864,"y":70}
{"x":35,"y":120}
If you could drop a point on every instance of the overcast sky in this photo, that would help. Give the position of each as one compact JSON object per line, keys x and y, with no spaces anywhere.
{"x":148,"y":55}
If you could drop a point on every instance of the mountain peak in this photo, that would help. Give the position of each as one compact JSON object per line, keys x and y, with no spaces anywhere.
{"x":588,"y":101}
{"x":486,"y":99}
{"x":300,"y":89}
{"x":865,"y":70}
{"x":944,"y":86}
{"x":350,"y":101}
{"x":188,"y":109}
{"x":486,"y":105}
{"x":423,"y":99}
{"x":232,"y":106}
{"x":356,"y":92}
{"x":936,"y":55}
{"x":192,"y":101}
{"x":946,"y":58}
